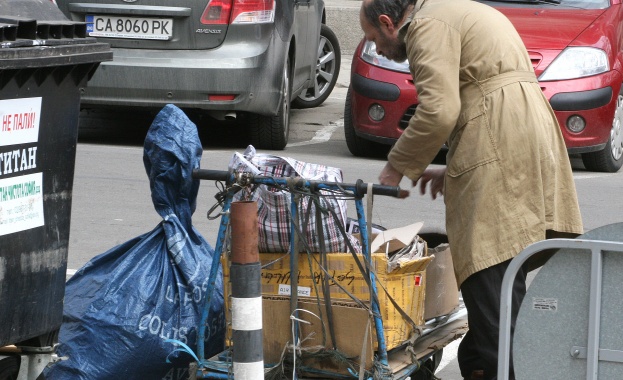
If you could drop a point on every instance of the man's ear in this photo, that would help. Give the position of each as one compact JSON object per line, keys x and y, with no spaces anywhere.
{"x":387,"y":23}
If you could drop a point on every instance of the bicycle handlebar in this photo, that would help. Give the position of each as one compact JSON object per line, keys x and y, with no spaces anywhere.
{"x":360,"y":188}
{"x":212,"y":175}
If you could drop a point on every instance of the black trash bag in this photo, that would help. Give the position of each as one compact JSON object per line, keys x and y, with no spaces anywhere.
{"x":123,"y":308}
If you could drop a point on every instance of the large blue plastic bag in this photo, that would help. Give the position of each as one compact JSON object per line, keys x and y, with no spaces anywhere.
{"x":122,"y":306}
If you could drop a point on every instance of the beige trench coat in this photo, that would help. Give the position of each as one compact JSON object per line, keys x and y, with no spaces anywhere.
{"x":508,"y":174}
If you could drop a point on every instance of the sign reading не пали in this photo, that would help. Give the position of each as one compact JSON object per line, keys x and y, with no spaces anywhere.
{"x":19,"y":121}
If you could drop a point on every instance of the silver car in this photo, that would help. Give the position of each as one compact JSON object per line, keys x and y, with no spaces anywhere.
{"x":248,"y":60}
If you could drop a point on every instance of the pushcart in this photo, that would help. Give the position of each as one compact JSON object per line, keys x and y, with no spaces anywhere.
{"x":417,"y":358}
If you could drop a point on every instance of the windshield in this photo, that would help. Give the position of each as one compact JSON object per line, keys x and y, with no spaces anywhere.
{"x":580,"y":4}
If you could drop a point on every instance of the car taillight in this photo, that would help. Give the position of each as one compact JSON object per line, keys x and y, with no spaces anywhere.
{"x":239,"y":12}
{"x":253,"y":12}
{"x":217,"y":12}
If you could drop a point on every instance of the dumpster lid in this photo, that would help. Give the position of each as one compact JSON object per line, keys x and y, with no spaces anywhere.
{"x":35,"y":33}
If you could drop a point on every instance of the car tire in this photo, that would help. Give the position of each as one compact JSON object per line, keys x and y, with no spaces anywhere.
{"x":356,"y":145}
{"x":610,"y":158}
{"x":271,"y":132}
{"x":327,"y":71}
{"x":9,"y":368}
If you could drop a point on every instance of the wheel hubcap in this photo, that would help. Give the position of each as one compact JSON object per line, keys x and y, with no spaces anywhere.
{"x":286,"y":102}
{"x":325,"y":69}
{"x":616,"y":137}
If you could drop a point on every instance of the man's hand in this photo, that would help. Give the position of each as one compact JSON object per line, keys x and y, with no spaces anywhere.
{"x":392,"y":177}
{"x":436,"y":177}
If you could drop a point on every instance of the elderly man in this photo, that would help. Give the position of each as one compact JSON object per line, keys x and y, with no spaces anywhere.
{"x":508,"y":181}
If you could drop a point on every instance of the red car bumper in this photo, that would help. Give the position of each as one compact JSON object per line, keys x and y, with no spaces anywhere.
{"x":592,"y":98}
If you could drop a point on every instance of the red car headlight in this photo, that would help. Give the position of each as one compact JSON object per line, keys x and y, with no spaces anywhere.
{"x":368,"y":54}
{"x":576,"y":62}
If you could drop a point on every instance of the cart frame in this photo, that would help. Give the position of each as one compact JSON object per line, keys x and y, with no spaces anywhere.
{"x":220,"y":366}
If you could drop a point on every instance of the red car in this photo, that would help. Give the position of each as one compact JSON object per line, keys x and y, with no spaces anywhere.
{"x":576,"y":48}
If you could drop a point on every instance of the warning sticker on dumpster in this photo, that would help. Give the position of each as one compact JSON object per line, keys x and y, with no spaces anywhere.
{"x":21,"y":203}
{"x":19,"y":121}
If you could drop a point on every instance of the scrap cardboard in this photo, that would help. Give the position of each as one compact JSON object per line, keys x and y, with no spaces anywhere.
{"x":424,"y":288}
{"x":394,"y":239}
{"x":350,"y":322}
{"x":406,"y":285}
{"x":442,"y":293}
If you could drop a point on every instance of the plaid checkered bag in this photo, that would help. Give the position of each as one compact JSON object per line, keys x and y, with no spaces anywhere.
{"x":274,"y":204}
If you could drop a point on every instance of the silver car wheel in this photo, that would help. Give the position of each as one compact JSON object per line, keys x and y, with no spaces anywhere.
{"x":326,"y":73}
{"x":285,"y":114}
{"x":325,"y":69}
{"x":616,"y":137}
{"x":610,"y":158}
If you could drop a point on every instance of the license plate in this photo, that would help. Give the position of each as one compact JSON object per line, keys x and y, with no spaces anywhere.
{"x":129,"y":27}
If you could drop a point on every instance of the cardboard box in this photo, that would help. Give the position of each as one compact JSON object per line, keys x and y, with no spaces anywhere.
{"x":350,"y":321}
{"x":442,"y":293}
{"x":405,"y":285}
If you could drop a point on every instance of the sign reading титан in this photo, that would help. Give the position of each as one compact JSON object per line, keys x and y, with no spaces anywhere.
{"x":21,"y":186}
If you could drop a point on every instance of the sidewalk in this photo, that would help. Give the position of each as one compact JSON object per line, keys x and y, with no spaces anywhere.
{"x":343,"y":19}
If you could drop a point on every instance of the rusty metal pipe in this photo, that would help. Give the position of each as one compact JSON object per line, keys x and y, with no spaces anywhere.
{"x":244,"y":233}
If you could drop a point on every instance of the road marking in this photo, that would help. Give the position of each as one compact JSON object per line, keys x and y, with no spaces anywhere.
{"x":70,"y":273}
{"x":322,"y":135}
{"x":592,"y":175}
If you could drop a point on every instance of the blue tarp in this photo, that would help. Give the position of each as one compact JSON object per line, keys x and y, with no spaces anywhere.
{"x":123,"y":305}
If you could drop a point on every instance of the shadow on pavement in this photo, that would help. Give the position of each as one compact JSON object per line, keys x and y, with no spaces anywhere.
{"x":128,"y":127}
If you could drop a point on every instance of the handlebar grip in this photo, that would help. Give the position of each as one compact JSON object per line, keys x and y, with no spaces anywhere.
{"x":212,"y":175}
{"x":390,"y":191}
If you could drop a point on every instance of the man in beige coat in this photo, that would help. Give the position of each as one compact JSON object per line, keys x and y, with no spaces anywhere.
{"x":508,"y":181}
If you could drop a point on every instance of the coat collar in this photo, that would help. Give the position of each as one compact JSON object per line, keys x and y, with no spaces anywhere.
{"x":402,"y":31}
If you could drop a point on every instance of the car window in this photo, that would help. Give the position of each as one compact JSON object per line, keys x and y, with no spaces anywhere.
{"x":586,"y":4}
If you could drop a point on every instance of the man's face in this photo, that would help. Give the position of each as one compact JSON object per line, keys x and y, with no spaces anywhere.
{"x":385,"y":37}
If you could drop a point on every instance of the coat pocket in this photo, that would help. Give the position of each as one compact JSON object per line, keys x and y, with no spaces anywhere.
{"x":471,"y":147}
